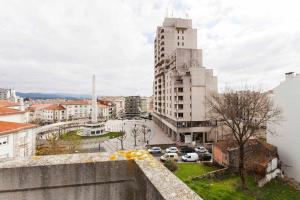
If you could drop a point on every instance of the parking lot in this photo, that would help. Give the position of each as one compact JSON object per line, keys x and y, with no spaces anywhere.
{"x":180,"y":154}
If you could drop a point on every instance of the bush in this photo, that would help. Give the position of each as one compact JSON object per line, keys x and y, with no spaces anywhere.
{"x":171,"y":165}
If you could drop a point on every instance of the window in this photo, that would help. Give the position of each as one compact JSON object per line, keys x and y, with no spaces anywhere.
{"x":178,"y":31}
{"x":182,"y":31}
{"x":178,"y":43}
{"x":178,"y":37}
{"x":183,"y":44}
{"x":182,"y":37}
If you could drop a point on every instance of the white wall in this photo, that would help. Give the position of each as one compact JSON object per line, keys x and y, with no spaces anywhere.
{"x":19,"y":118}
{"x":20,"y":144}
{"x":287,"y":134}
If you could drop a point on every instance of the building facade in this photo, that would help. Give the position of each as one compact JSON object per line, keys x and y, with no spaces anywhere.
{"x":77,"y":109}
{"x":181,"y":83}
{"x":285,"y":135}
{"x":54,"y":113}
{"x":12,"y":112}
{"x":16,"y":140}
{"x":132,"y":106}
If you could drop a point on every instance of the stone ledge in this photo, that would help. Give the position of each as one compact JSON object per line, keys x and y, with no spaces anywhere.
{"x":148,"y":178}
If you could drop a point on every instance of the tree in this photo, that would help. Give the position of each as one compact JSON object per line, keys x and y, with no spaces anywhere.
{"x":121,"y":138}
{"x":135,"y":132}
{"x":244,"y":113}
{"x":52,"y":141}
{"x":74,"y":143}
{"x":145,"y":131}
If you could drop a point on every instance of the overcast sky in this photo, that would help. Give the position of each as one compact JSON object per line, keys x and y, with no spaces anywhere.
{"x":56,"y":45}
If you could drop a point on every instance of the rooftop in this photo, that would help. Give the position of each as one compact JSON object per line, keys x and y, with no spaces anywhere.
{"x":54,"y":107}
{"x":6,"y":103}
{"x":9,"y":111}
{"x":11,"y":127}
{"x":76,"y":102}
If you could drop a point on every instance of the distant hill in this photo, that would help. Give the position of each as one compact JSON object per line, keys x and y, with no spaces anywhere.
{"x":52,"y":95}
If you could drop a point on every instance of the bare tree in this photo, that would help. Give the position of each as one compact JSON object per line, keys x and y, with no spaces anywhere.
{"x":135,"y":132}
{"x":74,"y":143}
{"x":121,"y":138}
{"x":145,"y":131}
{"x":52,"y":141}
{"x":244,"y":113}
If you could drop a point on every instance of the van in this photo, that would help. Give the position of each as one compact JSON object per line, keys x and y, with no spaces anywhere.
{"x":169,"y":156}
{"x":190,"y":157}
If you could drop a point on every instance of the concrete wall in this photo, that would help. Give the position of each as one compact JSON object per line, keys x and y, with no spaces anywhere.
{"x":105,"y":180}
{"x":90,"y":176}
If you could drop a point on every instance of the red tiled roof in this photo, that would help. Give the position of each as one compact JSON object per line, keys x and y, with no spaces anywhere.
{"x":11,"y":127}
{"x":55,"y":107}
{"x":76,"y":102}
{"x":102,"y":105}
{"x":9,"y":111}
{"x":5,"y":103}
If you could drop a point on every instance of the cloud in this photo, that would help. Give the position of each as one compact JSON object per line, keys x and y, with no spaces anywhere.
{"x":56,"y":46}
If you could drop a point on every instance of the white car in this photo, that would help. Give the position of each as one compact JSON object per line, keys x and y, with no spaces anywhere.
{"x":169,"y":156}
{"x":172,"y":150}
{"x":200,"y":149}
{"x":154,"y":150}
{"x":190,"y":157}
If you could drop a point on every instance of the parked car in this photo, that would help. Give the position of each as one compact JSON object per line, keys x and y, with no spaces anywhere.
{"x":200,"y":149}
{"x":190,"y":157}
{"x":154,"y":150}
{"x":205,"y":156}
{"x":187,"y":150}
{"x":169,"y":156}
{"x":172,"y":150}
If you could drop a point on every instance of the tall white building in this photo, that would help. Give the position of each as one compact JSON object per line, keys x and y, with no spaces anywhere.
{"x":10,"y":95}
{"x":181,"y":83}
{"x":286,"y":135}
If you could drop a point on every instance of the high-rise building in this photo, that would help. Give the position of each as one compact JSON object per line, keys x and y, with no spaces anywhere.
{"x":132,"y":106}
{"x":181,"y":83}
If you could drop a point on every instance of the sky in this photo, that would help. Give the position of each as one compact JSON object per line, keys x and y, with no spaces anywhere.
{"x":55,"y":46}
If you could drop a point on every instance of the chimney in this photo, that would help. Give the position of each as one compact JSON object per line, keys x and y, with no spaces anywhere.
{"x":289,"y":75}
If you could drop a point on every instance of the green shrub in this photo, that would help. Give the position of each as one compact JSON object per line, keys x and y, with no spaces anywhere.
{"x":171,"y":165}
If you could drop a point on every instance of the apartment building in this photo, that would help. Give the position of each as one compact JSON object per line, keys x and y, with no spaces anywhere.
{"x":181,"y":83}
{"x":77,"y":109}
{"x":132,"y":106}
{"x":54,"y":113}
{"x":285,"y":135}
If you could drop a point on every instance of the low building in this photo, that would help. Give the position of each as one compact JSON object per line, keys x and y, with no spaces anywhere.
{"x":35,"y":112}
{"x":285,"y":135}
{"x":54,"y":113}
{"x":12,"y":112}
{"x":260,"y":157}
{"x":132,"y":106}
{"x":17,"y":140}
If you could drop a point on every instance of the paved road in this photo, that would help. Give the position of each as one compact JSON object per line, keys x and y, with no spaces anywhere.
{"x":156,"y":136}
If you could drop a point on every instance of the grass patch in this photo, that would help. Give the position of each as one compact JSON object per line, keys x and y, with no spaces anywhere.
{"x":228,"y":188}
{"x":187,"y":171}
{"x":73,"y":135}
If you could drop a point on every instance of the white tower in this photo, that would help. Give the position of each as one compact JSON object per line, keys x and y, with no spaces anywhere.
{"x":94,"y":101}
